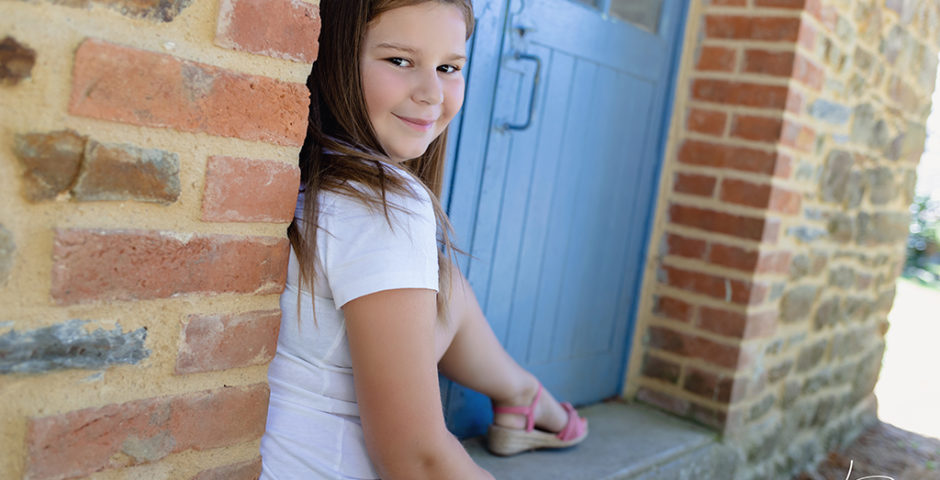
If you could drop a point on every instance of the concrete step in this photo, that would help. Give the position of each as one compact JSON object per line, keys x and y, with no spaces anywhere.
{"x":627,"y":441}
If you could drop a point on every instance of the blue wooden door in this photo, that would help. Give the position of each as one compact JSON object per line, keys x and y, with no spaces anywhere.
{"x":553,"y":183}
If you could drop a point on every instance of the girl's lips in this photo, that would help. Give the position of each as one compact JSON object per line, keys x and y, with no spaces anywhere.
{"x":417,"y":123}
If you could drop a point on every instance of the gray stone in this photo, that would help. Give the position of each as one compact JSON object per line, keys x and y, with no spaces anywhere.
{"x":867,"y":128}
{"x":797,"y":303}
{"x":780,"y":371}
{"x":799,"y":266}
{"x":806,"y":234}
{"x":857,"y":309}
{"x":7,"y":254}
{"x":817,"y":381}
{"x":855,"y":189}
{"x":811,"y":355}
{"x":761,"y":408}
{"x":835,"y":176}
{"x":883,"y":189}
{"x":841,"y":228}
{"x":842,"y":277}
{"x":69,"y":345}
{"x":830,"y":112}
{"x":125,"y":172}
{"x":791,"y":391}
{"x":882,"y":228}
{"x":828,"y":313}
{"x":16,"y":61}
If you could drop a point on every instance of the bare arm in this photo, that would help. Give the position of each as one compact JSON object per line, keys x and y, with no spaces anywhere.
{"x":391,"y":340}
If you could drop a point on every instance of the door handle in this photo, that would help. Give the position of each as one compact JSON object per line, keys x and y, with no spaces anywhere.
{"x":535,"y":87}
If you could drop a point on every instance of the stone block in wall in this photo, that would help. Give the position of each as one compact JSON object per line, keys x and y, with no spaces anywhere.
{"x":122,"y":84}
{"x":288,"y":29}
{"x":70,"y":345}
{"x":246,"y":190}
{"x":85,"y":441}
{"x":796,"y":303}
{"x":7,"y":254}
{"x":16,"y":61}
{"x":103,"y":265}
{"x":126,"y":172}
{"x":221,"y":342}
{"x":882,"y":227}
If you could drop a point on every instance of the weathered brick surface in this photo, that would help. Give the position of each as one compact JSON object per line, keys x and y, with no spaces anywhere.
{"x":245,"y":190}
{"x":693,"y":184}
{"x":249,"y":470}
{"x":50,"y":162}
{"x":155,"y":10}
{"x":123,"y":84}
{"x":86,"y":441}
{"x":16,"y":61}
{"x":286,"y":29}
{"x":752,"y":228}
{"x":221,"y":342}
{"x":126,"y":172}
{"x":100,"y":265}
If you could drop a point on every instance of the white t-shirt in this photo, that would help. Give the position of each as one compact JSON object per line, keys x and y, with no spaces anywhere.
{"x":313,"y":429}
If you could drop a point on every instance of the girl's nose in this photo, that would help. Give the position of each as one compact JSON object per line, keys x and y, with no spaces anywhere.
{"x":428,"y":89}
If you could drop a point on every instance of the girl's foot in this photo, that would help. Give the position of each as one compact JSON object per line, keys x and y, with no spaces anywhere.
{"x":509,"y":436}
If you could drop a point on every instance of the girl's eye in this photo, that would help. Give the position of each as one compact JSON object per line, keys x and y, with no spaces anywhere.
{"x":449,"y":68}
{"x":400,"y":62}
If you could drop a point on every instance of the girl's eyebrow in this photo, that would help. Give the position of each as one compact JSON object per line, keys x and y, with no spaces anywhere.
{"x":414,"y":52}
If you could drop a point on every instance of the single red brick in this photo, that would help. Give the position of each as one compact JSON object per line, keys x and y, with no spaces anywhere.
{"x":752,"y":228}
{"x":718,"y":59}
{"x":695,"y":152}
{"x":757,"y":128}
{"x":85,"y":441}
{"x":102,"y":265}
{"x":660,"y":369}
{"x":249,"y":470}
{"x":794,"y":101}
{"x":808,"y":73}
{"x":740,"y":93}
{"x":245,"y":190}
{"x":783,"y":165}
{"x":738,"y":291}
{"x":674,"y":308}
{"x":733,"y":257}
{"x":221,"y":342}
{"x":730,"y":3}
{"x":684,"y":246}
{"x":777,"y":29}
{"x":123,"y":84}
{"x":286,"y":29}
{"x":693,"y":184}
{"x":706,"y":121}
{"x":736,"y":324}
{"x":769,"y":62}
{"x":742,"y":192}
{"x":694,"y":346}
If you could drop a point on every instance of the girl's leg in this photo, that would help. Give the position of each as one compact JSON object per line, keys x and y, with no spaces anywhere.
{"x":470,"y":355}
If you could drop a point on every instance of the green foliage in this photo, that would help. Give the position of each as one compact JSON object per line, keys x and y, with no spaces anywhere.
{"x":923,"y":244}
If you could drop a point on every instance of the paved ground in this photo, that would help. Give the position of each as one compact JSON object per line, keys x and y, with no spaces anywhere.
{"x":906,"y":445}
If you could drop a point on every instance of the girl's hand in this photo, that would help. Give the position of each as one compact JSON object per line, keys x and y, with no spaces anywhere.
{"x":391,"y":341}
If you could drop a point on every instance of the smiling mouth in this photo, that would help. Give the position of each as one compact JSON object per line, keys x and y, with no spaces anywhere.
{"x":416,"y":123}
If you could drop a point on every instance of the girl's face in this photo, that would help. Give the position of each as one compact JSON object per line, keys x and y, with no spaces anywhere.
{"x":411,"y":62}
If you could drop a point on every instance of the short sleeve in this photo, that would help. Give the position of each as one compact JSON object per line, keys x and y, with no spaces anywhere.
{"x":362,"y":252}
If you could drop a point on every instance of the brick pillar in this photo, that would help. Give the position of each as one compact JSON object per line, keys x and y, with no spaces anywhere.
{"x":148,"y":172}
{"x":782,"y":220}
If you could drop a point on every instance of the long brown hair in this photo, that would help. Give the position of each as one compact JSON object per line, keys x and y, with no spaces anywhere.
{"x":341,"y":152}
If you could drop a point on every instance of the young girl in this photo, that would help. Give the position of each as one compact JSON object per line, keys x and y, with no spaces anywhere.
{"x":373,"y":308}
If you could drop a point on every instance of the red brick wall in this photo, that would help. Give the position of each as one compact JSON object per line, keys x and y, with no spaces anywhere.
{"x":782,"y":220}
{"x":148,"y":171}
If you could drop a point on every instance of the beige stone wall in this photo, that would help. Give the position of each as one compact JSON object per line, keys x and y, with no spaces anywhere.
{"x":782,"y":220}
{"x":138,"y":315}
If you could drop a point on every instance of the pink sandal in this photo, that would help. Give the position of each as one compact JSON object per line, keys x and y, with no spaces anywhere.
{"x":510,"y":441}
